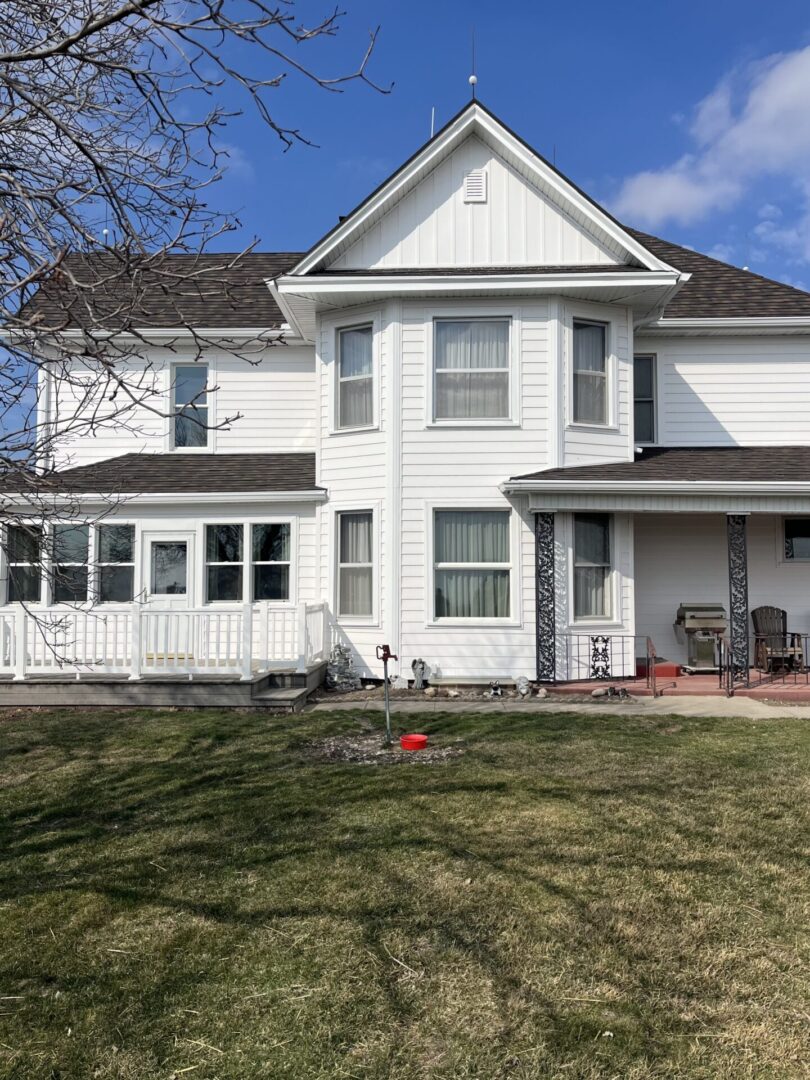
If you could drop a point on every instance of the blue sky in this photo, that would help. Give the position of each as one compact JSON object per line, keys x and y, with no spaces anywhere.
{"x":690,"y":120}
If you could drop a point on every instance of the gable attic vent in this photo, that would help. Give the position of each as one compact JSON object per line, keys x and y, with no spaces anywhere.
{"x":475,"y":186}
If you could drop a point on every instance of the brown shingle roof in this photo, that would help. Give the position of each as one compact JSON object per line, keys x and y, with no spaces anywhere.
{"x":211,"y":290}
{"x":719,"y":291}
{"x":177,"y":473}
{"x":694,"y":463}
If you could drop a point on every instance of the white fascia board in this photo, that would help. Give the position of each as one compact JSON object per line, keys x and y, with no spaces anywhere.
{"x":285,"y":309}
{"x":166,"y":498}
{"x":655,"y":487}
{"x":476,"y":118}
{"x":764,"y":322}
{"x":326,"y":285}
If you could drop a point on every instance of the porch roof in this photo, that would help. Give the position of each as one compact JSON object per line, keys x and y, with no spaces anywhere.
{"x":175,"y":475}
{"x":721,"y":479}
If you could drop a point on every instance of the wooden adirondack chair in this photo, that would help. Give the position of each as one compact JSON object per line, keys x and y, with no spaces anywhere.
{"x":774,"y":646}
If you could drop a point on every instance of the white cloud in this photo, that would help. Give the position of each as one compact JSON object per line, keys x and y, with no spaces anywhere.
{"x":754,"y":123}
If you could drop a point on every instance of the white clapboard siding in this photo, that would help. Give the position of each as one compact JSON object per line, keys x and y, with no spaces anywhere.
{"x":433,"y":225}
{"x":725,"y":391}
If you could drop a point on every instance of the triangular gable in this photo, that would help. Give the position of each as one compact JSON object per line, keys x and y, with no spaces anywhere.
{"x":533,"y":215}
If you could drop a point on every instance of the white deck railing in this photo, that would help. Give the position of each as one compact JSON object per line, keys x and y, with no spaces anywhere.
{"x":141,"y":641}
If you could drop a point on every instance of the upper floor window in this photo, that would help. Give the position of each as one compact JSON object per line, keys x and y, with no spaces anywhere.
{"x":190,"y":405}
{"x":590,"y":373}
{"x":24,"y":555}
{"x":591,"y":566}
{"x":355,"y":392}
{"x":644,"y":399}
{"x":71,"y":549}
{"x":471,"y":369}
{"x":471,"y":564}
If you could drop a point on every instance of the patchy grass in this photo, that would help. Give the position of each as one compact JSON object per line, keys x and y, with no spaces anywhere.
{"x":189,"y":894}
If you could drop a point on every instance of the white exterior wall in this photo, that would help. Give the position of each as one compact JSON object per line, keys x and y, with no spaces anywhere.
{"x":721,"y":391}
{"x":273,"y":396}
{"x":685,"y":558}
{"x":433,"y":226}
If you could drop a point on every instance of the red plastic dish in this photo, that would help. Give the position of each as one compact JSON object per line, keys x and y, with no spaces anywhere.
{"x":413,"y":742}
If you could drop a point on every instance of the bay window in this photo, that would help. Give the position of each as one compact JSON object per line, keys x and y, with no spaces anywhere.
{"x":471,"y":369}
{"x":471,"y":564}
{"x":71,"y":550}
{"x":355,"y":570}
{"x":355,"y":378}
{"x":190,"y":406}
{"x":271,"y":547}
{"x":590,"y":404}
{"x":24,"y":558}
{"x":116,"y":563}
{"x":223,"y":562}
{"x":591,"y":566}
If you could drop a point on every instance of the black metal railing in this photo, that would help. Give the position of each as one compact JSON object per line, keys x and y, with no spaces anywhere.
{"x":775,"y":658}
{"x":606,"y":658}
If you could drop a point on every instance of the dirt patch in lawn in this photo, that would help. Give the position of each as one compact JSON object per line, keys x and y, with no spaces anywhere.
{"x":371,"y":750}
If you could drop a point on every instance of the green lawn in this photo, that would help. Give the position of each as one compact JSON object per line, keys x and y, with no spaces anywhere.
{"x":189,"y":894}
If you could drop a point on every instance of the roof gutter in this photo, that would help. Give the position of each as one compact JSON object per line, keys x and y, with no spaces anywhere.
{"x":655,"y":487}
{"x":164,"y":498}
{"x":757,"y":322}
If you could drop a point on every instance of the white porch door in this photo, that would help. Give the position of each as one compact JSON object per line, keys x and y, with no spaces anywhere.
{"x":167,"y":630}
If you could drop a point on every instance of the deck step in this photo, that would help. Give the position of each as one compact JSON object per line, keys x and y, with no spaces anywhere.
{"x":285,"y":698}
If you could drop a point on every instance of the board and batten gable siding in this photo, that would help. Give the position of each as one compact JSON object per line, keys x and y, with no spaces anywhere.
{"x":462,"y":468}
{"x":432,"y":225}
{"x":586,"y":444}
{"x":273,"y":399}
{"x":720,"y":391}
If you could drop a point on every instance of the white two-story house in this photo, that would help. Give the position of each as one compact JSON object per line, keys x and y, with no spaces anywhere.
{"x":493,"y":428}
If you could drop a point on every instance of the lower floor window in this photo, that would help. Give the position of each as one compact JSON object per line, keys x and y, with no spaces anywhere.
{"x":591,"y":565}
{"x":797,"y":538}
{"x":116,"y":563}
{"x":355,"y":563}
{"x":71,"y":554}
{"x":271,"y":561}
{"x":472,"y":565}
{"x":24,"y":555}
{"x":223,"y":562}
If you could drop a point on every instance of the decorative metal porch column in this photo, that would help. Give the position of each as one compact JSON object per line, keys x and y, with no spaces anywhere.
{"x":738,"y":591}
{"x":544,"y":588}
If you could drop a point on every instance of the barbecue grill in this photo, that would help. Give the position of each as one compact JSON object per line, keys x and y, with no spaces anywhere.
{"x":701,"y":625}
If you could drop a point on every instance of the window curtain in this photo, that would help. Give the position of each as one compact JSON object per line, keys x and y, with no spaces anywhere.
{"x":464,"y":388}
{"x":591,"y":565}
{"x":467,"y":536}
{"x":356,"y":405}
{"x":589,"y":374}
{"x":356,"y":581}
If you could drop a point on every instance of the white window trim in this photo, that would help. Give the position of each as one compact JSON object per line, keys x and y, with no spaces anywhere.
{"x":514,"y":567}
{"x":95,"y":570}
{"x":369,"y":506}
{"x":782,"y":558}
{"x":594,"y":314}
{"x":247,"y":559}
{"x":155,"y":535}
{"x":332,"y":328}
{"x":210,"y":400}
{"x":654,"y":358}
{"x":493,"y":313}
{"x":44,"y":589}
{"x":613,"y":621}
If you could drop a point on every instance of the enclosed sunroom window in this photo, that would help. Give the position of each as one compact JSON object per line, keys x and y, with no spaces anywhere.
{"x":591,"y":566}
{"x":472,"y":564}
{"x":24,"y":560}
{"x":223,"y":562}
{"x":271,"y":561}
{"x":71,"y":547}
{"x":471,"y":369}
{"x":116,"y":563}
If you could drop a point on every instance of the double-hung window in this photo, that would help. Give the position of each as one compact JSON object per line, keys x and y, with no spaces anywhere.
{"x":644,"y":399}
{"x":471,"y":369}
{"x":355,"y":390}
{"x":355,"y":570}
{"x":271,"y":561}
{"x":590,"y":373}
{"x":224,"y":564}
{"x":190,"y":406}
{"x":71,"y":551}
{"x":24,"y":558}
{"x":472,"y":564}
{"x":116,"y":563}
{"x":591,"y":566}
{"x":797,"y":539}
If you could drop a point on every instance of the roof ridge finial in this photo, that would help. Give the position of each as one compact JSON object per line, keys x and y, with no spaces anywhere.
{"x":473,"y":79}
